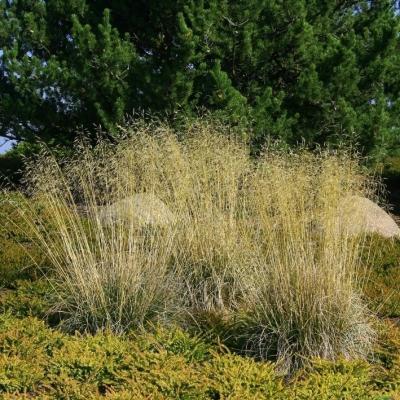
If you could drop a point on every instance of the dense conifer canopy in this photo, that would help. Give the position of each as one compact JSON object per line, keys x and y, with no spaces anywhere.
{"x":301,"y":70}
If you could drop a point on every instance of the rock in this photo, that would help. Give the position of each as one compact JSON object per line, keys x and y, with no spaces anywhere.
{"x":143,"y":208}
{"x":360,"y":215}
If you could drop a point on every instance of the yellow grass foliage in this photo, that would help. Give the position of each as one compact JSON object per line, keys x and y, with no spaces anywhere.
{"x":194,"y":230}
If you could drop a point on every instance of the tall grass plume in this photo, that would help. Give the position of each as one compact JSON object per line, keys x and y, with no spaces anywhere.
{"x":190,"y":228}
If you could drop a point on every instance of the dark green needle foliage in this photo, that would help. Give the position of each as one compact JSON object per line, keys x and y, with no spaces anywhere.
{"x":316,"y":71}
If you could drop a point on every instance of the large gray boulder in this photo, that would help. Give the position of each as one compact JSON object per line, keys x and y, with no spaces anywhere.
{"x":360,"y":215}
{"x":141,"y":208}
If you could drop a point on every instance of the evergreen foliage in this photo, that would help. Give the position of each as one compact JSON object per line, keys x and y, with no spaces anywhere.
{"x":315,"y":71}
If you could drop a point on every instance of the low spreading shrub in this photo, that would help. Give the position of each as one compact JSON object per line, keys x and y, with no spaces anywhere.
{"x":20,"y":258}
{"x":38,"y":362}
{"x":386,"y":357}
{"x":381,"y":258}
{"x":28,"y":298}
{"x":194,"y":231}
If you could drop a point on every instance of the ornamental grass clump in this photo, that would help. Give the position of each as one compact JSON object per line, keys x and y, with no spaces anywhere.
{"x":190,"y":229}
{"x":302,"y":285}
{"x":110,"y":275}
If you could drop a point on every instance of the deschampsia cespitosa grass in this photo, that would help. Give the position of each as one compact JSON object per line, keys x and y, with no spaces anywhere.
{"x":194,"y":231}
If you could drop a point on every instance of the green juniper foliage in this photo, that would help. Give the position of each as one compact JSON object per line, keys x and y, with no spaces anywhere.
{"x":314,"y":71}
{"x":39,"y":362}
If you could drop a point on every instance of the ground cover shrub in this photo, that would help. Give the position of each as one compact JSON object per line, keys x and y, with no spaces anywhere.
{"x":339,"y":380}
{"x":27,"y":298}
{"x":382,"y":286}
{"x":19,"y":257}
{"x":256,"y":249}
{"x":40,"y":362}
{"x":104,"y":364}
{"x":386,"y":357}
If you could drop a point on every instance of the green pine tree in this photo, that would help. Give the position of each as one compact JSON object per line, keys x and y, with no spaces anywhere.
{"x":316,"y":71}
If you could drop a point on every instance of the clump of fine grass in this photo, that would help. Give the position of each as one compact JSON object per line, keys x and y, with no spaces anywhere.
{"x":105,"y":276}
{"x":301,"y":285}
{"x":260,"y":246}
